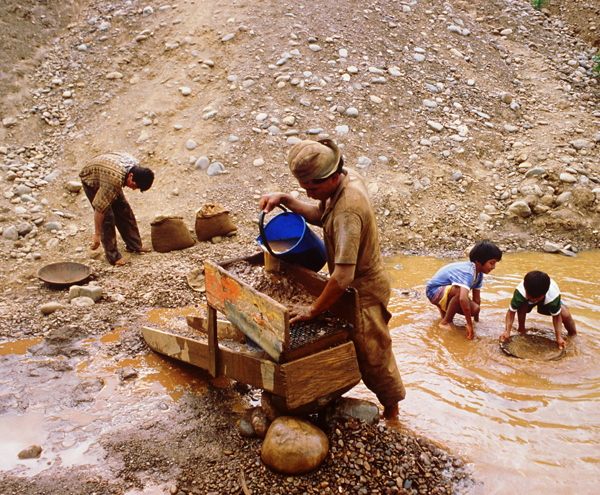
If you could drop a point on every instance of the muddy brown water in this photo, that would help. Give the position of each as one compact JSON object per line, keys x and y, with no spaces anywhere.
{"x":526,"y":426}
{"x":283,"y":245}
{"x":523,"y":425}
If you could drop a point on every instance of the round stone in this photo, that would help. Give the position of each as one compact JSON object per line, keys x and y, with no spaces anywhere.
{"x":216,"y":168}
{"x":82,"y":302}
{"x":51,"y":307}
{"x":202,"y":163}
{"x":294,"y":446}
{"x":31,"y":452}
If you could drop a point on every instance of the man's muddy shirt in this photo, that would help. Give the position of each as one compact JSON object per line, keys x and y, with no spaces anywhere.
{"x":106,"y":175}
{"x":351,"y":237}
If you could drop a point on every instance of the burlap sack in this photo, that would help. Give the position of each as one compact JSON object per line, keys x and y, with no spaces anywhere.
{"x":213,"y":220}
{"x":169,"y":233}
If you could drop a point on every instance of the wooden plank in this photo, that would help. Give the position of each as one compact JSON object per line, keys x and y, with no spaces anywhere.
{"x":225,"y":329}
{"x":242,"y":365}
{"x":319,"y":374}
{"x":178,"y":347}
{"x":258,"y":316}
{"x":213,"y":342}
{"x":345,"y":307}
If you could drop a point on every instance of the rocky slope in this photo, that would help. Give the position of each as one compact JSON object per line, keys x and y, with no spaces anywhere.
{"x":456,"y":114}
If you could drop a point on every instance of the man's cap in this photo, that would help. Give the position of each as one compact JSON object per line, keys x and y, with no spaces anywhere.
{"x":309,"y":160}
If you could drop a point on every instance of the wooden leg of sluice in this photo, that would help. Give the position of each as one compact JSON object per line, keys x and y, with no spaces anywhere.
{"x":213,"y":344}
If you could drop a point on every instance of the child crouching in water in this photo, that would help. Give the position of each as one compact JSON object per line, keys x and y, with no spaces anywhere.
{"x":450,"y":286}
{"x":538,"y":289}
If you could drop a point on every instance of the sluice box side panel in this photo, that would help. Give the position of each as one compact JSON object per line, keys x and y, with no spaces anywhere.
{"x":258,"y":316}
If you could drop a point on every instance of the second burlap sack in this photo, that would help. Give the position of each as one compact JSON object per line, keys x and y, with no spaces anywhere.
{"x":170,"y":233}
{"x":213,"y":220}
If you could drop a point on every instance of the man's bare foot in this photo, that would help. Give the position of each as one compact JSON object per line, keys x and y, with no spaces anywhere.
{"x":391,"y":412}
{"x":446,"y":326}
{"x":141,"y":250}
{"x":122,"y":261}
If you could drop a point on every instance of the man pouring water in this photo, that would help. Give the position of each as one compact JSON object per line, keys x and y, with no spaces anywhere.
{"x":345,"y":213}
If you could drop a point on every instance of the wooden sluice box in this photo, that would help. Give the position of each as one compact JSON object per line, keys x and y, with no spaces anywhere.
{"x":305,"y":364}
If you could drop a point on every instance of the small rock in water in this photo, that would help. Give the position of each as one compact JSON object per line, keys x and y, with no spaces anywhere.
{"x":128,"y":373}
{"x":31,"y":452}
{"x":550,"y":247}
{"x":347,"y":408}
{"x":568,"y":253}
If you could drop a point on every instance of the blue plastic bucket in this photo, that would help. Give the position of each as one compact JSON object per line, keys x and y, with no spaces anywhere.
{"x":287,"y":237}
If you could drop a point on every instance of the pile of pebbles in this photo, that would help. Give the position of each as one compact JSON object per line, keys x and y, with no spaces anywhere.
{"x":278,"y":287}
{"x":362,"y":459}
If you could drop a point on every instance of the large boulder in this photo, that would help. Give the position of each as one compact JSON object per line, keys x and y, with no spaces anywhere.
{"x":294,"y":446}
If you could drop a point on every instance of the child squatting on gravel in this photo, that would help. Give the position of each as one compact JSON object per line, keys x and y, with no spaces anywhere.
{"x":538,"y":289}
{"x":450,"y":286}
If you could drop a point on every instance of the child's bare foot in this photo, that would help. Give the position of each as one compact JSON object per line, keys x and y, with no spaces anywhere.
{"x":446,"y":326}
{"x":122,"y":261}
{"x":391,"y":412}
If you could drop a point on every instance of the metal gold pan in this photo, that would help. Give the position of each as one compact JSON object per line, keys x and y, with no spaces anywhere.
{"x":534,"y":347}
{"x":64,"y":273}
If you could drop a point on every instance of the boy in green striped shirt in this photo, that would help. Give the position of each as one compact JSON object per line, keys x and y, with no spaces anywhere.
{"x":537,"y":289}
